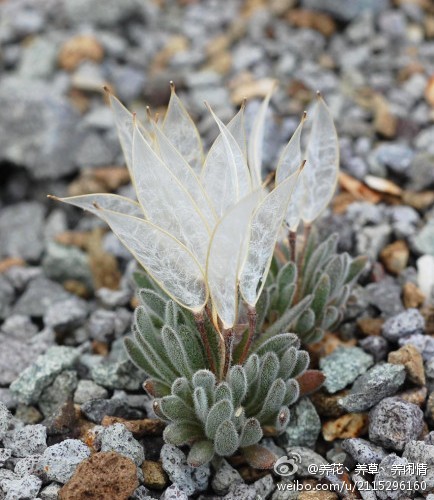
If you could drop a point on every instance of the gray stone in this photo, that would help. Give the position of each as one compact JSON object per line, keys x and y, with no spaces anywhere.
{"x":87,"y":390}
{"x":117,"y":375}
{"x":114,"y":298}
{"x":63,"y":263}
{"x":387,"y":473}
{"x":346,"y":11}
{"x":343,"y":366}
{"x":6,"y":475}
{"x":27,"y":22}
{"x":26,"y":487}
{"x":28,"y":465}
{"x":20,"y":276}
{"x":385,"y":296}
{"x":397,"y":157}
{"x":5,"y":420}
{"x":379,"y":382}
{"x":38,"y":59}
{"x":118,"y":438}
{"x":40,"y":129}
{"x":33,"y":380}
{"x":372,"y":239}
{"x":362,"y":451}
{"x":394,"y":422}
{"x":225,"y":478}
{"x":19,"y":327}
{"x":60,"y":460}
{"x":7,"y":295}
{"x":242,"y":492}
{"x":15,"y":356}
{"x":423,"y":343}
{"x":27,"y":440}
{"x":7,"y":399}
{"x":404,"y":220}
{"x":39,"y":295}
{"x":21,"y":229}
{"x":5,"y":454}
{"x":264,"y":486}
{"x":94,"y":152}
{"x":66,"y":314}
{"x":173,"y":493}
{"x":304,"y":427}
{"x":419,"y":452}
{"x":403,"y":325}
{"x":96,"y":409}
{"x":60,"y":391}
{"x":424,"y":240}
{"x":141,"y":493}
{"x":188,"y":479}
{"x":101,"y":325}
{"x":50,"y":492}
{"x":129,"y":82}
{"x":55,"y":223}
{"x":106,"y":13}
{"x":422,"y":172}
{"x":375,"y":345}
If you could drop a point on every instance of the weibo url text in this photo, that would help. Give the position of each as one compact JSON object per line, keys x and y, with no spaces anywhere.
{"x":357,"y":485}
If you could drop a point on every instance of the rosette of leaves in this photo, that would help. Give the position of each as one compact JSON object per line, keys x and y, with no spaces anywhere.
{"x":214,"y":417}
{"x":308,"y":297}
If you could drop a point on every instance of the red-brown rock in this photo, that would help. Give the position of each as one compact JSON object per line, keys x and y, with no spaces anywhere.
{"x":106,"y":475}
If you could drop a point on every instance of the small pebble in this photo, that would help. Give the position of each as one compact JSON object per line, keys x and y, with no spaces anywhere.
{"x":403,"y":325}
{"x":119,"y":439}
{"x":393,"y":423}
{"x":186,"y":478}
{"x":87,"y":390}
{"x":362,"y":451}
{"x":379,"y":382}
{"x":60,"y":460}
{"x":225,"y":477}
{"x":343,"y":366}
{"x":27,"y":440}
{"x":412,"y":360}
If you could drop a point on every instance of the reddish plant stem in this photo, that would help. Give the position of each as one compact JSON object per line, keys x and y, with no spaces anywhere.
{"x":229,"y":340}
{"x":252,"y":316}
{"x":292,"y":240}
{"x":200,"y":323}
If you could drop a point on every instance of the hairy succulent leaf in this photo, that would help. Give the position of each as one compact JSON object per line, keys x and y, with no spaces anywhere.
{"x":273,"y":400}
{"x":200,"y":403}
{"x":200,"y":453}
{"x":251,"y":433}
{"x":238,"y":382}
{"x":314,"y":301}
{"x":220,"y":412}
{"x":223,"y":391}
{"x":179,"y":434}
{"x":226,"y":440}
